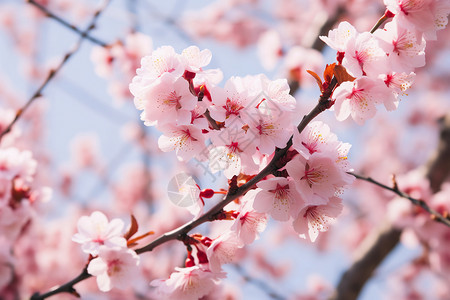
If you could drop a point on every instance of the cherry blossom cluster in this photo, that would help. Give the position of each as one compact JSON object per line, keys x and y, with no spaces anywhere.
{"x":19,"y":195}
{"x":383,"y":62}
{"x":111,"y":262}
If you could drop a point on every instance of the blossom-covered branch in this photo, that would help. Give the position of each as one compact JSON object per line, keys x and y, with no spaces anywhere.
{"x":385,"y":238}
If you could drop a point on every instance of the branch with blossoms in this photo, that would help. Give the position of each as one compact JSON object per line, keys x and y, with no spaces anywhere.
{"x":273,"y":168}
{"x":435,"y":215}
{"x":54,"y":71}
{"x":385,"y":238}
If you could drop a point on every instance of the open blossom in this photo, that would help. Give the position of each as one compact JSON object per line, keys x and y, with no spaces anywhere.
{"x":186,"y":283}
{"x":15,"y":163}
{"x":398,"y":83}
{"x":114,"y":268}
{"x":315,"y":218}
{"x":196,"y":59}
{"x":425,"y":16}
{"x":363,"y":55}
{"x":359,"y":99}
{"x":317,"y":178}
{"x":338,"y":38}
{"x":249,"y":223}
{"x":231,"y":101}
{"x":95,"y":231}
{"x":405,"y":51}
{"x":170,"y":101}
{"x":186,"y":140}
{"x":162,"y":61}
{"x":279,"y":198}
{"x":232,"y":150}
{"x":269,"y":49}
{"x":222,"y":251}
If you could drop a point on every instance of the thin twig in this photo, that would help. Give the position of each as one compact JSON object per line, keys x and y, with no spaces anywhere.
{"x":54,"y":71}
{"x":66,"y":24}
{"x":261,"y":284}
{"x":65,"y":288}
{"x":434,"y":214}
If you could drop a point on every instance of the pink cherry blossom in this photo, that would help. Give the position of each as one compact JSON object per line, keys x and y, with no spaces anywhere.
{"x":222,"y":251}
{"x":268,"y":131}
{"x":186,"y":140}
{"x":338,"y":38}
{"x":249,"y":223}
{"x":15,"y":163}
{"x":230,"y":101}
{"x":363,"y":55}
{"x":186,"y":283}
{"x":196,"y":59}
{"x":405,"y":52}
{"x":162,"y":61}
{"x":415,"y":14}
{"x":316,"y":137}
{"x":233,"y":147}
{"x":269,"y":49}
{"x":114,"y":268}
{"x":315,"y":218}
{"x":359,"y":99}
{"x":317,"y":178}
{"x":169,"y":101}
{"x":298,"y":60}
{"x":95,"y":231}
{"x":279,"y":198}
{"x":398,"y":83}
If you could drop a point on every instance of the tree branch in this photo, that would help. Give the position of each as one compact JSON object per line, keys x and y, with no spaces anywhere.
{"x":378,"y":245}
{"x":54,"y":71}
{"x":65,"y":288}
{"x":434,"y":214}
{"x":66,"y":24}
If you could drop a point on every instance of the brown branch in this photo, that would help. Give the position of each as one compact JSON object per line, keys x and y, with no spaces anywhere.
{"x":66,"y":24}
{"x":376,"y":246}
{"x":65,"y":288}
{"x":54,"y":71}
{"x":434,"y":214}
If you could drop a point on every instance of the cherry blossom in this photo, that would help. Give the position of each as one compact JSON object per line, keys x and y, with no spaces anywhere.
{"x":317,"y":178}
{"x":315,"y":218}
{"x":114,"y":268}
{"x":95,"y":231}
{"x":231,"y":101}
{"x":279,"y":198}
{"x":363,"y":55}
{"x":405,"y":52}
{"x":426,"y":16}
{"x":338,"y":38}
{"x":269,"y":49}
{"x":359,"y":99}
{"x":186,"y":140}
{"x":233,"y":147}
{"x":166,"y":102}
{"x":186,"y":283}
{"x":249,"y":223}
{"x":196,"y":59}
{"x":222,"y":251}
